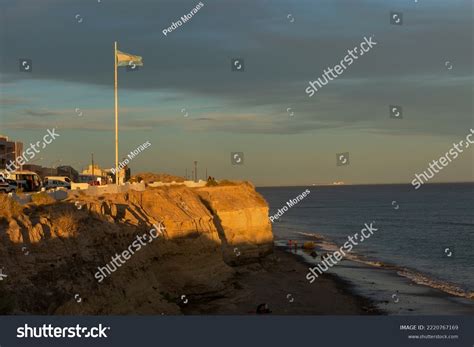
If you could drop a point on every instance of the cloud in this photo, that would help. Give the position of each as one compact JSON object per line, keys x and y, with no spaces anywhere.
{"x":41,"y":113}
{"x":6,"y":100}
{"x":207,"y":119}
{"x":193,"y":61}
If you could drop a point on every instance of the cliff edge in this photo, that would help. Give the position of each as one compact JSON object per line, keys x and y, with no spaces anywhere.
{"x":171,"y":245}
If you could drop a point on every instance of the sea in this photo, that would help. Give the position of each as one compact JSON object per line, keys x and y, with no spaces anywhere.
{"x":420,"y":259}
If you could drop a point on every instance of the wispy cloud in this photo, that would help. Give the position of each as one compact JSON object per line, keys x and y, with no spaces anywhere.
{"x":41,"y":113}
{"x":6,"y":100}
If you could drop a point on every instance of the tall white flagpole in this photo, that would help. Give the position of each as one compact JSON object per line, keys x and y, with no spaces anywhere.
{"x":116,"y":117}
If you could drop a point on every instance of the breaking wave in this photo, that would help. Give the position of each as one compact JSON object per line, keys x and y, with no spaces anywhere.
{"x":413,"y":275}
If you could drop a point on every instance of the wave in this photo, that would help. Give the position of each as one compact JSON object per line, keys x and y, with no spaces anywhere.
{"x":447,"y":287}
{"x":413,"y":275}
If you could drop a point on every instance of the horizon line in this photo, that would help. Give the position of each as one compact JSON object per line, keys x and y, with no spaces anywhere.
{"x":358,"y":184}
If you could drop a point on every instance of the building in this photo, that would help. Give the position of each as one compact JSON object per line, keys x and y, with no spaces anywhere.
{"x":94,"y":170}
{"x":108,"y":175}
{"x":124,"y":175}
{"x":95,"y":173}
{"x":41,"y":170}
{"x":67,"y":170}
{"x":64,"y":170}
{"x":9,"y":151}
{"x":33,"y":167}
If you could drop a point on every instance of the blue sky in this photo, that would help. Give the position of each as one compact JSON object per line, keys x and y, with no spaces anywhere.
{"x":243,"y":111}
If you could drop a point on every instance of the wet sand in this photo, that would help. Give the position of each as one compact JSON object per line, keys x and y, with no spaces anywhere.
{"x":280,"y":282}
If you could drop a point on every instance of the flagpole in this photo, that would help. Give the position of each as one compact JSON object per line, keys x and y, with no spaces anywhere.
{"x":116,"y":117}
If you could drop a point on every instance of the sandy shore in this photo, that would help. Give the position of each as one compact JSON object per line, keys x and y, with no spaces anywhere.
{"x":279,"y":281}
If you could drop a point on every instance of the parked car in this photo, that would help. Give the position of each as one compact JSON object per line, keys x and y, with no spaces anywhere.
{"x":12,"y":185}
{"x":57,"y":178}
{"x":7,"y":186}
{"x":51,"y":184}
{"x":27,"y":181}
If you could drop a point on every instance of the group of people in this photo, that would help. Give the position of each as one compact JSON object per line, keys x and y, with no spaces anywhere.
{"x":293,"y":245}
{"x":211,"y":181}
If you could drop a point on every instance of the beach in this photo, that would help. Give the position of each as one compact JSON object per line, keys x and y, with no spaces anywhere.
{"x":279,"y":281}
{"x":386,"y":288}
{"x":417,"y":262}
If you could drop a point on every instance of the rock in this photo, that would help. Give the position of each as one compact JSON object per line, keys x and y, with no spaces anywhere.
{"x":240,"y":215}
{"x":206,"y":230}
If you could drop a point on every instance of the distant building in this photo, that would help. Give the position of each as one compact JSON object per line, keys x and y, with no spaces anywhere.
{"x":67,"y":170}
{"x":128,"y":174}
{"x":106,"y":175}
{"x":33,"y":167}
{"x":124,"y":174}
{"x":9,"y":151}
{"x":94,"y":173}
{"x":41,"y":171}
{"x":94,"y":170}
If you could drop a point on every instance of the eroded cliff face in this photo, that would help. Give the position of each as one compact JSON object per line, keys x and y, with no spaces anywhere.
{"x":245,"y":230}
{"x":51,"y":253}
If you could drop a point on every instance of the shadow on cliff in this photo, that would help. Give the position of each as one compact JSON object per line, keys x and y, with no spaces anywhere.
{"x":52,"y":256}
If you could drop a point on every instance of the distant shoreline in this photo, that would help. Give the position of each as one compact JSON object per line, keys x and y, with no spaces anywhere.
{"x":361,"y":184}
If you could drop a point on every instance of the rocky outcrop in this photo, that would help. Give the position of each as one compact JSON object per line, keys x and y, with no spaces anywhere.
{"x":52,"y":253}
{"x":241,"y":218}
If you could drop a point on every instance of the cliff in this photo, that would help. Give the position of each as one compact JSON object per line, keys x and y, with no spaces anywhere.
{"x":52,"y":252}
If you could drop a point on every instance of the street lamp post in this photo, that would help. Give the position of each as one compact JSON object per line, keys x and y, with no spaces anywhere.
{"x":195,"y":171}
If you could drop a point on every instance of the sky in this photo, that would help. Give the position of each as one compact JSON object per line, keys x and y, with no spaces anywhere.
{"x":287,"y":138}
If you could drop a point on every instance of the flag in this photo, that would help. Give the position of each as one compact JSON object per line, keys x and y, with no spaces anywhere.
{"x":125,"y":59}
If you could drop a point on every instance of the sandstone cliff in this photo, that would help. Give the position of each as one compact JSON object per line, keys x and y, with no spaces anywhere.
{"x":51,"y":252}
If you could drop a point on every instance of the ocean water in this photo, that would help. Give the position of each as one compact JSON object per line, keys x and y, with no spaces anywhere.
{"x":424,"y":235}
